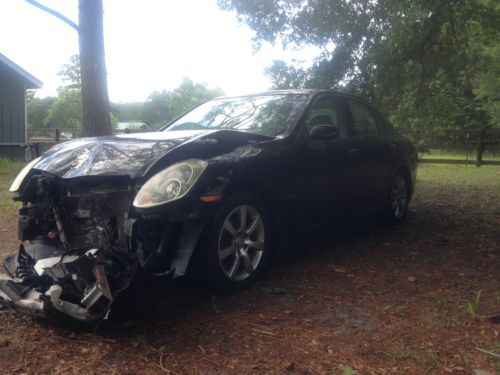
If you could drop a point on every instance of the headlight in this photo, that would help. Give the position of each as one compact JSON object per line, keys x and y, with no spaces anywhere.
{"x":21,"y":176}
{"x":170,"y":184}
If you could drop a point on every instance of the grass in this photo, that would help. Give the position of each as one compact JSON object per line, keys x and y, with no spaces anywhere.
{"x":464,"y":176}
{"x":473,"y":306}
{"x":8,"y":171}
{"x":457,"y":155}
{"x":348,"y":370}
{"x":9,"y":168}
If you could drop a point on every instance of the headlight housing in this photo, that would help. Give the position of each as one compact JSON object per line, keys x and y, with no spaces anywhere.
{"x":16,"y":184}
{"x":170,"y":184}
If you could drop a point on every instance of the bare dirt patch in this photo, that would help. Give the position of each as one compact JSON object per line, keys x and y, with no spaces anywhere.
{"x":416,"y":298}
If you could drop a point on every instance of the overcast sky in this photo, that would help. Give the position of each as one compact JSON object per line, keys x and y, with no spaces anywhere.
{"x":150,"y":45}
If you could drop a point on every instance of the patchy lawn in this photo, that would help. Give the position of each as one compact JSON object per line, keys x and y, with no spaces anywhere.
{"x":417,"y":298}
{"x":458,"y":155}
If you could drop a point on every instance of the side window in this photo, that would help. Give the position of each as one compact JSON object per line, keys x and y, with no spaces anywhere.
{"x":326,"y":110}
{"x":365,"y":122}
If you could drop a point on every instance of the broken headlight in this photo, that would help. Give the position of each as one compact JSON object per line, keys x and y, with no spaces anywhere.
{"x":170,"y":184}
{"x":22,"y":175}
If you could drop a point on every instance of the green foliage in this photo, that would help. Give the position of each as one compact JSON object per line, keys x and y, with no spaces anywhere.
{"x":473,"y":307}
{"x":114,"y":120}
{"x":162,"y":107}
{"x":131,"y":111}
{"x":8,"y":171}
{"x":487,"y":83}
{"x":431,"y":66}
{"x":66,"y":112}
{"x":37,"y":109}
{"x":348,"y":370}
{"x":70,"y":73}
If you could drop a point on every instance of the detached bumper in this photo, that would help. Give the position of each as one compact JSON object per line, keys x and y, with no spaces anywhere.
{"x":21,"y":298}
{"x":47,"y":286}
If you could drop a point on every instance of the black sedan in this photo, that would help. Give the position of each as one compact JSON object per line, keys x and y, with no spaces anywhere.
{"x":221,"y":184}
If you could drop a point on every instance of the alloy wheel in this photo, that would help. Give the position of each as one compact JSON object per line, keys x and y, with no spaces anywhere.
{"x":399,"y":197}
{"x":241,"y":242}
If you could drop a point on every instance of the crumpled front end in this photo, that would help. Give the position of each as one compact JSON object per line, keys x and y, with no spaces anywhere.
{"x":75,"y":256}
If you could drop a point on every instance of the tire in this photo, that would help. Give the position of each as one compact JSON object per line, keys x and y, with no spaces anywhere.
{"x":236,"y":246}
{"x":398,"y":200}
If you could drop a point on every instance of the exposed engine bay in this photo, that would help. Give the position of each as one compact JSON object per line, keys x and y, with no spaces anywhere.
{"x":78,"y":250}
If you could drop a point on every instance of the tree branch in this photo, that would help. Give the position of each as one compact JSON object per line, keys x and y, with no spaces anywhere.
{"x":54,"y":13}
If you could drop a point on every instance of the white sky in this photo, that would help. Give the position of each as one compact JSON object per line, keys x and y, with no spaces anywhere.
{"x":150,"y":45}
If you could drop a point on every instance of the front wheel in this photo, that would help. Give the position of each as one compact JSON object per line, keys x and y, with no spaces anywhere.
{"x":399,"y":198}
{"x":236,"y":250}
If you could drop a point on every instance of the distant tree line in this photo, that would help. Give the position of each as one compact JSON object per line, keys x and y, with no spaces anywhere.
{"x":64,"y":111}
{"x":163,"y":106}
{"x":433,"y":66}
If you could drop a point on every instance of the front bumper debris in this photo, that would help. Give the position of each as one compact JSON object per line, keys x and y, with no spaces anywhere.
{"x":41,"y":284}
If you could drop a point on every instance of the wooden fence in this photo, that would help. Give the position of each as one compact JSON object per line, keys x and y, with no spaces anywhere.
{"x":479,"y":147}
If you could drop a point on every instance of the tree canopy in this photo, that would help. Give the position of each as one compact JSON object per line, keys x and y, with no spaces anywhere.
{"x":65,"y":110}
{"x":430,"y":65}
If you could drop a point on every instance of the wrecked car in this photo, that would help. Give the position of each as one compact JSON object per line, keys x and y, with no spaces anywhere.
{"x":222,"y":184}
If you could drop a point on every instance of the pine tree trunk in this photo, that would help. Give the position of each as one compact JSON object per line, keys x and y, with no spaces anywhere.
{"x":95,"y":100}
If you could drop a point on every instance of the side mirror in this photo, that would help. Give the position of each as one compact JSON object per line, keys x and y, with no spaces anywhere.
{"x":322,"y":132}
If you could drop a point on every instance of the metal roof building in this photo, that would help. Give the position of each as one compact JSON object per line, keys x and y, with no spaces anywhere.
{"x":14,"y":81}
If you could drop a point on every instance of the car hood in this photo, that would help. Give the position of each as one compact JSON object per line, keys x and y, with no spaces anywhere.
{"x":122,"y":155}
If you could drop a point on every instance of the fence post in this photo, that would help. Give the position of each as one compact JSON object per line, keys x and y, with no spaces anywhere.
{"x":480,"y":147}
{"x":58,"y":134}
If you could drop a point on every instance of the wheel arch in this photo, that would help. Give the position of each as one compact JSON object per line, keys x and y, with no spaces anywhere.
{"x":261,"y":193}
{"x":266,"y":196}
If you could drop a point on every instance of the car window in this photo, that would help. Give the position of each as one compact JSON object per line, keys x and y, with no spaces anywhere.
{"x":364,"y":120}
{"x":326,"y":110}
{"x":269,"y":115}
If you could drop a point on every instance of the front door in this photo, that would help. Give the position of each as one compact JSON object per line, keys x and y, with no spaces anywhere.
{"x":327,"y":163}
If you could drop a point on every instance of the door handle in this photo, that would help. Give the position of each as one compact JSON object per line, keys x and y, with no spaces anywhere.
{"x":353,"y":152}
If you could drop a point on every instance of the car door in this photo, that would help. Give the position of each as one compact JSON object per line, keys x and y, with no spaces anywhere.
{"x":374,"y":150}
{"x":326,"y":164}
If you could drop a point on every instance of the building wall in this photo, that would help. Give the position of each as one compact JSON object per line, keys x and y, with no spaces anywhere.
{"x":12,"y":114}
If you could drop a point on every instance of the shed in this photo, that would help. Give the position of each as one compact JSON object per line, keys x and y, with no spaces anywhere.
{"x":14,"y":81}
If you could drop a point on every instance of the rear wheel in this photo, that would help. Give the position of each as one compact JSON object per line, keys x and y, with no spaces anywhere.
{"x":236,"y":250}
{"x":399,"y":198}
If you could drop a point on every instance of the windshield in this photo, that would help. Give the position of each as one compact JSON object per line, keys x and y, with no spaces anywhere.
{"x":268,"y":115}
